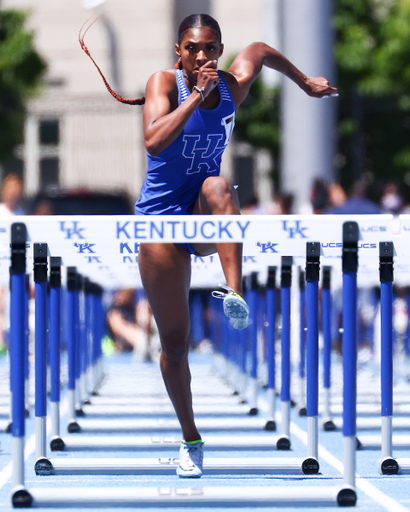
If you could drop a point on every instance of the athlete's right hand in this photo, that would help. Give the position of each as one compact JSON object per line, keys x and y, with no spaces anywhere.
{"x":208,"y":77}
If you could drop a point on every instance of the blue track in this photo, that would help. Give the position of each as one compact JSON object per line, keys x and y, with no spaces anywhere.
{"x":375,"y":492}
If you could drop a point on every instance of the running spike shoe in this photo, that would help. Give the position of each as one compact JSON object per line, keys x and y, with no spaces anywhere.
{"x":235,"y":307}
{"x":190,"y":460}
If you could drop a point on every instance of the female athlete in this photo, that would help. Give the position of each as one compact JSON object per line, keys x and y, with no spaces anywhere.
{"x":189,"y":115}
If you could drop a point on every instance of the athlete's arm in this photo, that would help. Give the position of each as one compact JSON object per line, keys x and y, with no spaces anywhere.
{"x":249,"y":62}
{"x":163,"y":119}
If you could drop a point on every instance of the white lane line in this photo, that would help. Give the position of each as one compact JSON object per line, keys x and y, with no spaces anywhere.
{"x":6,"y":473}
{"x":375,"y":494}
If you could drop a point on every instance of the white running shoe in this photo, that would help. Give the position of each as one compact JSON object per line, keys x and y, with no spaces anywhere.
{"x":235,"y":307}
{"x":190,"y":460}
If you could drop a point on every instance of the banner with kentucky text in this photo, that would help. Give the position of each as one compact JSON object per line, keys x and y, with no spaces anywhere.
{"x":105,"y":248}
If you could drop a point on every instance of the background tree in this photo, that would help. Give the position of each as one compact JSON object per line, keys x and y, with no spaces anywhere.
{"x":21,"y":68}
{"x":258,"y":121}
{"x":372,"y":56}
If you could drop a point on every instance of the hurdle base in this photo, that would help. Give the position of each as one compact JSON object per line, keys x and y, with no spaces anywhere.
{"x":329,"y":426}
{"x":358,"y":444}
{"x":388,"y":466}
{"x":79,"y":412}
{"x":193,"y":497}
{"x":253,"y":411}
{"x":57,"y":444}
{"x":73,"y":427}
{"x":95,"y":393}
{"x":43,"y":467}
{"x":347,"y":497}
{"x":21,"y":498}
{"x":270,"y":426}
{"x":302,"y":411}
{"x":310,"y":466}
{"x":9,"y":427}
{"x":283,"y":443}
{"x":87,"y":401}
{"x":27,"y":412}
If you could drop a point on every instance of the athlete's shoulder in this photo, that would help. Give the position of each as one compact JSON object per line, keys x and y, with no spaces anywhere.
{"x":229,"y":78}
{"x":163,"y":80}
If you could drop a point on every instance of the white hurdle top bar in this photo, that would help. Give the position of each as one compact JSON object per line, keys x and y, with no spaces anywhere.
{"x":105,"y":248}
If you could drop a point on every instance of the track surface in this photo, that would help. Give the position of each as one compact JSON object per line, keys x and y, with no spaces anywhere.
{"x":126,"y":377}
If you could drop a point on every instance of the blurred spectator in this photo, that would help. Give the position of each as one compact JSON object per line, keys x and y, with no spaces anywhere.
{"x":130,"y":324}
{"x":392,"y":200}
{"x":11,"y":194}
{"x":253,"y":208}
{"x":319,"y":196}
{"x":44,"y":208}
{"x":359,"y":201}
{"x":282,"y":204}
{"x":337,"y":195}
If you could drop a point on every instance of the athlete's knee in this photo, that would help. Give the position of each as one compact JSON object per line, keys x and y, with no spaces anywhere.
{"x":175,"y":346}
{"x":175,"y":355}
{"x":220,"y":194}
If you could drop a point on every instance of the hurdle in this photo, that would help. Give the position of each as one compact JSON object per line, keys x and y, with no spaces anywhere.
{"x":302,"y":343}
{"x":320,"y":496}
{"x":328,"y":424}
{"x":271,"y":319}
{"x":286,"y":280}
{"x":44,"y":466}
{"x":309,"y":465}
{"x":387,"y":464}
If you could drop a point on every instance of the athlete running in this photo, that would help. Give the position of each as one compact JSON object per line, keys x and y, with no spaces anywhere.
{"x":189,"y":115}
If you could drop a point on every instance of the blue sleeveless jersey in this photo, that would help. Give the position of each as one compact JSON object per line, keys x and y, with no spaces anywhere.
{"x":174,"y":177}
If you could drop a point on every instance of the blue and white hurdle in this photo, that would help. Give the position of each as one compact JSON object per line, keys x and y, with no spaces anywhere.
{"x":319,"y":495}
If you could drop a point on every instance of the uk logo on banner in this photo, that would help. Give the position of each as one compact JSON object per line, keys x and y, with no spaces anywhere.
{"x":294,"y":229}
{"x":72,"y":229}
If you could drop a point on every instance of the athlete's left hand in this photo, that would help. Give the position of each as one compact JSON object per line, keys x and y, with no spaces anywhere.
{"x":318,"y":87}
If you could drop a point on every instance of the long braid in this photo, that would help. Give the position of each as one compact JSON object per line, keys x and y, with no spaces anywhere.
{"x":139,"y":101}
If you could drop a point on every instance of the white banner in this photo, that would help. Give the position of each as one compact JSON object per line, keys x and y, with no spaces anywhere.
{"x":105,"y":248}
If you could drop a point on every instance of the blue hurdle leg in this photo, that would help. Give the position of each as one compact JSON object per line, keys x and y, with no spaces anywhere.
{"x":328,"y":424}
{"x":17,"y":349}
{"x":55,"y":327}
{"x":312,"y":277}
{"x":271,"y":318}
{"x":286,"y":281}
{"x":387,"y":464}
{"x":349,"y":262}
{"x":71,"y":352}
{"x":40,"y":291}
{"x":302,"y":342}
{"x":253,"y":328}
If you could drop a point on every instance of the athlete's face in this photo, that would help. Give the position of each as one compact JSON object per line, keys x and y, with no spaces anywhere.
{"x":198,"y":46}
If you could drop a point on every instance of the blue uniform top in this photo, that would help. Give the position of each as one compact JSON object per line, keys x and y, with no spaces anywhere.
{"x":175,"y":176}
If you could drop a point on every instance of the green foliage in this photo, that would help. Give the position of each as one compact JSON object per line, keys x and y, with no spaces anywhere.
{"x":20,"y":71}
{"x":257,"y":120}
{"x":372,"y":55}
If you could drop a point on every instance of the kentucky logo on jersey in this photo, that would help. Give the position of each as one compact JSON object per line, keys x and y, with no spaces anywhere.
{"x":204,"y":154}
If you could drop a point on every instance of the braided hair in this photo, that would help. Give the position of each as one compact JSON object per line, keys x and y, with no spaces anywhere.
{"x":139,"y":101}
{"x":192,"y":21}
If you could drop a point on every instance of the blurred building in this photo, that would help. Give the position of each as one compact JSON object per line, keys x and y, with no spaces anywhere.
{"x":76,"y":134}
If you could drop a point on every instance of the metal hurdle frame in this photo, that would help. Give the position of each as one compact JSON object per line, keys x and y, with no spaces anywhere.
{"x":23,"y":497}
{"x":302,"y":344}
{"x":328,"y":424}
{"x":271,"y":319}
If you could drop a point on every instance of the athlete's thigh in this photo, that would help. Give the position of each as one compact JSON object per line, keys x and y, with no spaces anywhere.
{"x":166,"y":272}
